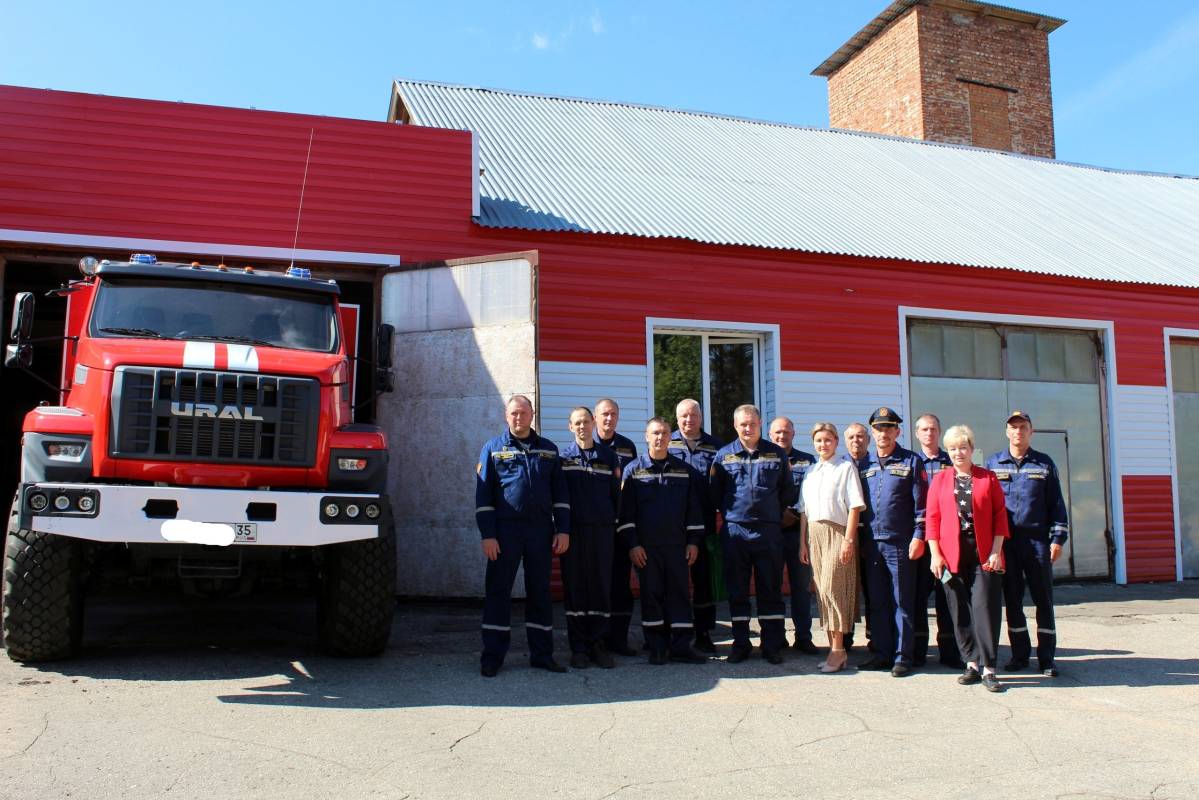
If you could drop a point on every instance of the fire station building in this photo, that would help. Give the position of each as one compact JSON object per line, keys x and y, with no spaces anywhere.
{"x":928,"y":254}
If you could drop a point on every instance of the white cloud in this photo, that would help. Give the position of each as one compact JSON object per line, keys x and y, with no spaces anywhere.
{"x":541,"y":41}
{"x":597,"y":23}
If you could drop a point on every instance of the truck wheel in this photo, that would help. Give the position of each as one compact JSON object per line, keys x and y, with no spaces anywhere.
{"x":43,"y":594}
{"x":357,"y":594}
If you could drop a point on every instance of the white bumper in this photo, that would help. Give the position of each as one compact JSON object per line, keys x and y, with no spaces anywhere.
{"x":121,"y":515}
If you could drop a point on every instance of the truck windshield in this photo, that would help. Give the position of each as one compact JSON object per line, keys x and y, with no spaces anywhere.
{"x":190,"y":309}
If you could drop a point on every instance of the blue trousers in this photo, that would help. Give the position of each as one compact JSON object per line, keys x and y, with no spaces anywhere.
{"x":759,"y":560}
{"x":891,"y":581}
{"x":703,"y":605}
{"x":665,"y":609}
{"x":799,"y":577}
{"x":1027,"y":561}
{"x":621,"y":598}
{"x":533,"y":547}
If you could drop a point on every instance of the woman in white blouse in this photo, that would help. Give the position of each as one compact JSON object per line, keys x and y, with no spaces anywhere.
{"x":830,"y":502}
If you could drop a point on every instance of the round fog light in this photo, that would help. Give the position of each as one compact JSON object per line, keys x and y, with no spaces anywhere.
{"x":62,"y":502}
{"x":85,"y":504}
{"x":352,"y":511}
{"x":372,"y":511}
{"x":38,"y":501}
{"x":331,"y":509}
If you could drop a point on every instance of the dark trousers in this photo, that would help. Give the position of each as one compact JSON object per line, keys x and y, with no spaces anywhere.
{"x":927,"y":584}
{"x":759,"y":560}
{"x":974,"y":604}
{"x":1027,"y":560}
{"x":621,"y":598}
{"x":665,"y":610}
{"x":799,"y":578}
{"x":702,"y":603}
{"x":891,"y":581}
{"x":587,"y":585}
{"x":533,"y":547}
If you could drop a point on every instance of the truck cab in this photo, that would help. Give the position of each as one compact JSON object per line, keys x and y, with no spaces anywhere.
{"x":204,"y":436}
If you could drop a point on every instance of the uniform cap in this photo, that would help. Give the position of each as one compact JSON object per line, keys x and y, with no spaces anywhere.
{"x":1018,"y":414}
{"x":884,"y":416}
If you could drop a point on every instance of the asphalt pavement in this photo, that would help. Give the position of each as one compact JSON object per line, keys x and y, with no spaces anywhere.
{"x":186,"y":698}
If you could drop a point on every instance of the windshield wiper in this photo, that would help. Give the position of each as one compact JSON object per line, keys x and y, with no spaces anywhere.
{"x":145,"y":333}
{"x":226,"y":338}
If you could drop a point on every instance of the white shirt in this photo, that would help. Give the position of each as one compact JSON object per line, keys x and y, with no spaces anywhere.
{"x":830,"y":489}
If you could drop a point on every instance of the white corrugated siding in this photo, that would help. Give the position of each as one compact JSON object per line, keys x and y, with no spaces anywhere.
{"x":836,"y":397}
{"x":579,"y":165}
{"x":563,"y":385}
{"x":1144,"y":441}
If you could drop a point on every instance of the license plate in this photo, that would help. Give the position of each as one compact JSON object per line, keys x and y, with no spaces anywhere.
{"x":244,"y":532}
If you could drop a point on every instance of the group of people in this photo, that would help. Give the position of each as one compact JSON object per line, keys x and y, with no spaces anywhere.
{"x":883,"y":525}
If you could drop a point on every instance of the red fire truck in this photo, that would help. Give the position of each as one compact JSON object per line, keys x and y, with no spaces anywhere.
{"x":205,"y":436}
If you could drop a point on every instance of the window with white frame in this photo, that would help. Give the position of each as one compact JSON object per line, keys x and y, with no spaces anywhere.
{"x":720,"y":369}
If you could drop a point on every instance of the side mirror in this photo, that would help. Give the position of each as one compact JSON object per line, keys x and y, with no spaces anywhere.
{"x":22,"y":317}
{"x":384,"y":342}
{"x":18,"y":356}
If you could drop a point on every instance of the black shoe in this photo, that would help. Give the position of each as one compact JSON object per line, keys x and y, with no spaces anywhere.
{"x":901,"y":670}
{"x":1015,"y":665}
{"x":772,"y":656}
{"x":969,"y":677}
{"x":657,"y":658}
{"x":738,"y":654}
{"x":704,"y":643}
{"x":621,"y":649}
{"x":991,"y":682}
{"x":1049,"y":671}
{"x":600,"y":657}
{"x":579,"y":661}
{"x":689,"y":656}
{"x":874,"y":663}
{"x":953,"y":663}
{"x":489,"y":670}
{"x":806,"y":647}
{"x":549,"y":665}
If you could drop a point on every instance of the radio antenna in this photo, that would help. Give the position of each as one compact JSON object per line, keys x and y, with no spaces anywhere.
{"x":303,"y":186}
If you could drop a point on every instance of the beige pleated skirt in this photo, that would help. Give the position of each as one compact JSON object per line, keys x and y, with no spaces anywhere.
{"x":836,"y":583}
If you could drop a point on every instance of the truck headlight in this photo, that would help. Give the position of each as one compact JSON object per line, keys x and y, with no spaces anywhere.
{"x":65,"y":451}
{"x":351,"y":464}
{"x":85,"y":504}
{"x":352,"y":511}
{"x":372,"y":511}
{"x":38,"y":501}
{"x":62,"y":502}
{"x":331,"y":510}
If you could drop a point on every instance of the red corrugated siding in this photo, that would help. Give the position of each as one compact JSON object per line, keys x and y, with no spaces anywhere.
{"x":109,"y":166}
{"x":1149,"y":528}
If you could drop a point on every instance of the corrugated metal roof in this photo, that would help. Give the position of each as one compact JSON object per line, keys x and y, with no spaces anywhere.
{"x":559,"y":164}
{"x":900,"y":7}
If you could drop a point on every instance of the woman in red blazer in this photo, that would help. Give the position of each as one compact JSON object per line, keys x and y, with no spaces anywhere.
{"x":965,"y":525}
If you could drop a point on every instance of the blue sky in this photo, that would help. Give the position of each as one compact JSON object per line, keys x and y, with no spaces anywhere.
{"x":1124,"y":74}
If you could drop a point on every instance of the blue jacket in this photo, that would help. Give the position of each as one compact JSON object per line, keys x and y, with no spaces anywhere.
{"x":933,"y":465}
{"x":799,"y":461}
{"x":752,"y":489}
{"x":659,"y":503}
{"x":1035,"y":506}
{"x":700,"y":460}
{"x":519,"y":487}
{"x":623,"y":446}
{"x":895,"y":489}
{"x":593,"y":480}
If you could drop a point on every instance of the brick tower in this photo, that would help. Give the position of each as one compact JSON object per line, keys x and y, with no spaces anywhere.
{"x":953,"y":71}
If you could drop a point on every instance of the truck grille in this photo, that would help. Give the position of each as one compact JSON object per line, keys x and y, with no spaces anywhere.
{"x":208,"y":416}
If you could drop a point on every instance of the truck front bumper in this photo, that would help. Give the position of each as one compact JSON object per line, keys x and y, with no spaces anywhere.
{"x":172,"y":514}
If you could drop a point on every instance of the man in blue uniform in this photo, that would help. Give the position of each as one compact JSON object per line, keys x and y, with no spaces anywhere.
{"x":1039,"y":526}
{"x":857,"y":450}
{"x":662,"y":527}
{"x":522,"y":509}
{"x":928,"y":435}
{"x":697,"y":448}
{"x":895,"y":490}
{"x":607,"y":416}
{"x":593,"y":479}
{"x":799,"y":575}
{"x":751,"y":487}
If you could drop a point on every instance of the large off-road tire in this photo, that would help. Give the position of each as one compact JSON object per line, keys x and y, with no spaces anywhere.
{"x":357,"y":597}
{"x":43,"y":594}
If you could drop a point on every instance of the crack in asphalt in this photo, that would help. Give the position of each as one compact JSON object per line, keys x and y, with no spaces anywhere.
{"x":462,"y":739}
{"x":34,"y":740}
{"x":274,"y":748}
